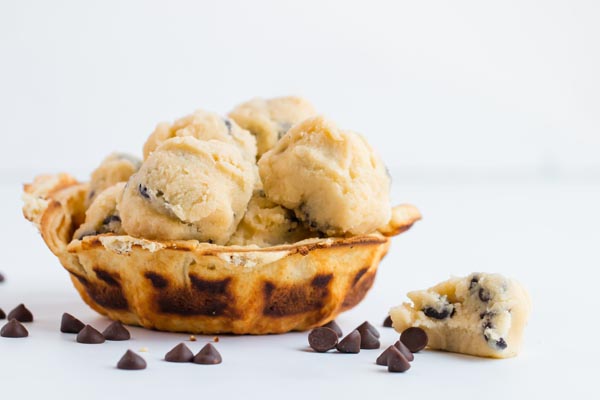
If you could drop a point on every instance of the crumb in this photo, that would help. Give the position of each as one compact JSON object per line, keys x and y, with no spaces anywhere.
{"x":144,"y":350}
{"x":216,"y":339}
{"x":192,"y":338}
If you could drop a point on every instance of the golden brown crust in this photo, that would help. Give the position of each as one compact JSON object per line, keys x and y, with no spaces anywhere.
{"x":188,"y":286}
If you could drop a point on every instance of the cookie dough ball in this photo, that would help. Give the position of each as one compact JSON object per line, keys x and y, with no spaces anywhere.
{"x":482,"y":315}
{"x":117,"y":167}
{"x":270,"y":119}
{"x":188,"y":189}
{"x":203,"y":125}
{"x":268,"y":224}
{"x":102,"y":216}
{"x":331,"y":178}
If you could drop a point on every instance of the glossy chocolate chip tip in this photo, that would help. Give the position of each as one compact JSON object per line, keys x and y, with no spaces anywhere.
{"x":116,"y":332}
{"x":179,"y":354}
{"x":89,"y":335}
{"x":208,"y":355}
{"x":131,"y":361}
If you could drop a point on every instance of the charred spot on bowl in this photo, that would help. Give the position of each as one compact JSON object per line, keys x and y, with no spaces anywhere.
{"x":105,"y":295}
{"x":286,"y":300}
{"x":360,"y":287}
{"x":359,"y":275}
{"x":157,"y":280}
{"x":144,"y":192}
{"x":110,"y":278}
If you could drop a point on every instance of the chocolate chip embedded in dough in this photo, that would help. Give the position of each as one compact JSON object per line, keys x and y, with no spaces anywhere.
{"x":501,"y":344}
{"x":116,"y":332}
{"x":335,"y":327}
{"x":208,"y":355}
{"x":350,"y":344}
{"x":396,"y":362}
{"x":387,"y":322}
{"x":322,"y":339}
{"x":144,"y":191}
{"x":21,"y":314}
{"x":89,"y":335}
{"x":180,"y":353}
{"x":131,"y":361}
{"x":484,"y":295}
{"x":14,"y":329}
{"x":433,"y":313}
{"x":415,"y":339}
{"x":70,"y":324}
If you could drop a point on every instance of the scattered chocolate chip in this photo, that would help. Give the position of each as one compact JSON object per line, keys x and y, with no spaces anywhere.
{"x":404,"y":350}
{"x":396,"y":362}
{"x":383,"y":357}
{"x":208,"y":355}
{"x":322,"y":339}
{"x":335,"y":327}
{"x":484,"y":295}
{"x":89,"y":335}
{"x":367,"y":326}
{"x":387,"y":323}
{"x":501,"y":344}
{"x":131,"y":361}
{"x":116,"y":332}
{"x":433,"y":313}
{"x":21,"y":314}
{"x":350,"y":344}
{"x":1,"y":277}
{"x":70,"y":324}
{"x":179,"y":354}
{"x":2,"y":314}
{"x":415,"y":339}
{"x":368,"y":341}
{"x":14,"y":329}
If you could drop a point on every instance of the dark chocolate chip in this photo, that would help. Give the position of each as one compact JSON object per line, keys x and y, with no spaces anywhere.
{"x":179,"y":354}
{"x":131,"y":361}
{"x":484,"y":295}
{"x":143,"y":191}
{"x":116,"y":332}
{"x":227,"y":124}
{"x":92,"y":194}
{"x":415,"y":339}
{"x":350,"y":344}
{"x":433,"y":313}
{"x":111,"y":218}
{"x":2,"y":314}
{"x":70,"y":324}
{"x":208,"y":355}
{"x":21,"y":314}
{"x":367,"y":326}
{"x":14,"y":329}
{"x":474,"y":282}
{"x":387,"y":323}
{"x":501,"y":344}
{"x":404,"y":350}
{"x":322,"y":339}
{"x":368,"y":341}
{"x":396,"y":362}
{"x":2,"y":277}
{"x":89,"y":335}
{"x":383,"y":357}
{"x":335,"y":327}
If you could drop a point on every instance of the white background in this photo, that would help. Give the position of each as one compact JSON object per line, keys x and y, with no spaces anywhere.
{"x":488,"y":114}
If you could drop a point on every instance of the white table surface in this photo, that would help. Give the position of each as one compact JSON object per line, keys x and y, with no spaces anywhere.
{"x":544,"y":234}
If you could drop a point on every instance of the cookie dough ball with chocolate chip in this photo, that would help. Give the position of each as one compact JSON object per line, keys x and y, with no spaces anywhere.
{"x":188,"y":189}
{"x":102,"y":216}
{"x":203,"y":125}
{"x":268,"y":224}
{"x":117,"y":167}
{"x":332,"y":179}
{"x":482,"y":315}
{"x":270,"y":119}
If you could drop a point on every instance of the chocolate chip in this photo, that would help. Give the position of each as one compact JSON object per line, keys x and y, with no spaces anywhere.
{"x":501,"y":344}
{"x":179,"y":354}
{"x":111,"y":218}
{"x":131,"y":361}
{"x":383,"y":357}
{"x":367,"y":326}
{"x":143,"y":191}
{"x":404,"y":350}
{"x":1,"y":277}
{"x":208,"y":355}
{"x":396,"y":362}
{"x":474,"y":282}
{"x":14,"y":329}
{"x":89,"y":335}
{"x":2,"y":314}
{"x":21,"y":314}
{"x":387,"y":323}
{"x":415,"y":339}
{"x":350,"y":344}
{"x":70,"y":324}
{"x":484,"y":295}
{"x":116,"y":332}
{"x":433,"y":313}
{"x":322,"y":339}
{"x":227,"y":124}
{"x":335,"y":327}
{"x":368,"y":341}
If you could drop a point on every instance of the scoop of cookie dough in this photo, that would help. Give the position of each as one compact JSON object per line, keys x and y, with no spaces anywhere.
{"x":117,"y":167}
{"x":268,"y":224}
{"x":331,"y":178}
{"x":203,"y":125}
{"x":482,"y":315}
{"x":188,"y":189}
{"x":270,"y":119}
{"x":102,"y":216}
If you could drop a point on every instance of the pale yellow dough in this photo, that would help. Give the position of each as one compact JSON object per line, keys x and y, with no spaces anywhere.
{"x":102,"y":216}
{"x":268,"y":224}
{"x":331,"y":178}
{"x":188,"y":189}
{"x":203,"y":125}
{"x":117,"y":167}
{"x":270,"y":119}
{"x":482,"y":315}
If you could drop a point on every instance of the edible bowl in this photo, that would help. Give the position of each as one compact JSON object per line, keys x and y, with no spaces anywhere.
{"x":188,"y":286}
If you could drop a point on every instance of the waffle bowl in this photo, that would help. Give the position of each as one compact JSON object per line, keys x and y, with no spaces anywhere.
{"x":188,"y":286}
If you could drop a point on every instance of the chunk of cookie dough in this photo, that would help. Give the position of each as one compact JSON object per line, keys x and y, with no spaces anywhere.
{"x":188,"y":189}
{"x":117,"y":167}
{"x":270,"y":119}
{"x":482,"y":315}
{"x":203,"y":125}
{"x":332,"y":179}
{"x":102,"y":216}
{"x":268,"y":224}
